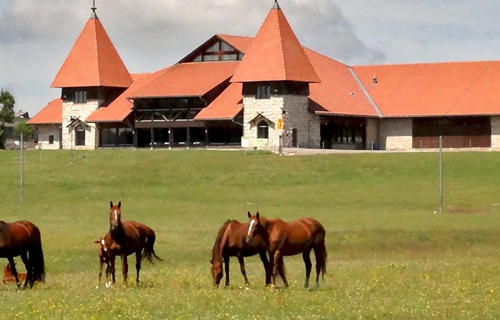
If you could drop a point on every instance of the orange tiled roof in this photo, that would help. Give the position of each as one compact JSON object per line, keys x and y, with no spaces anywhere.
{"x":238,"y":42}
{"x":275,"y":54}
{"x":338,"y":92}
{"x":188,"y":80}
{"x":93,"y":61}
{"x":121,"y":107}
{"x":226,"y":106}
{"x":434,"y":89}
{"x":50,"y":114}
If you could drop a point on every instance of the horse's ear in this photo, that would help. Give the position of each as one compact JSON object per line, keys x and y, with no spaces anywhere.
{"x":211,"y":261}
{"x":97,"y":241}
{"x":119,"y":204}
{"x":111,"y":204}
{"x":249,"y":214}
{"x":257,"y":215}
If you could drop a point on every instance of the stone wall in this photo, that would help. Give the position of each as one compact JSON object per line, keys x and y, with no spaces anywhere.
{"x":495,"y":133}
{"x":44,"y":131}
{"x":396,"y":134}
{"x":81,"y":111}
{"x":293,"y":109}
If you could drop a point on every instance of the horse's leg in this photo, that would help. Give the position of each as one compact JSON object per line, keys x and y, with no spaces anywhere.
{"x":101,"y":263}
{"x":138,"y":258}
{"x":110,"y":271}
{"x":226,"y":269}
{"x":306,"y":255}
{"x":241,"y":260}
{"x":14,"y":271}
{"x":320,"y":254}
{"x":29,"y":271}
{"x":281,"y":269}
{"x":265,"y":262}
{"x":273,"y":267}
{"x":124,"y":268}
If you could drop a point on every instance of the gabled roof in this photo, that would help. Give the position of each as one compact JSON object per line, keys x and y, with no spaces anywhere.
{"x":50,"y":114}
{"x":239,"y":43}
{"x":338,"y":92}
{"x":187,"y":80}
{"x":93,"y":61}
{"x":433,"y":89}
{"x":275,"y":54}
{"x":121,"y":107}
{"x":226,"y":106}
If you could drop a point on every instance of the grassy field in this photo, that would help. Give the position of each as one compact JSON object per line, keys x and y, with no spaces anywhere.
{"x":390,"y":255}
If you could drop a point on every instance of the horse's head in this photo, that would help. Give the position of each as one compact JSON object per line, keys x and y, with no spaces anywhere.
{"x":217,"y":272}
{"x":115,"y":215}
{"x":255,"y":226}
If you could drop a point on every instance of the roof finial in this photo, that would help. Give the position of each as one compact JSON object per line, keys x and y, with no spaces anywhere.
{"x":276,"y":5}
{"x":94,"y":8}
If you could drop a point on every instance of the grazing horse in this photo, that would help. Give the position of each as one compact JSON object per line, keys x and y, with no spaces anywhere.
{"x":290,"y":238}
{"x":231,"y":241}
{"x":8,"y":276}
{"x":22,"y":238}
{"x":126,"y":238}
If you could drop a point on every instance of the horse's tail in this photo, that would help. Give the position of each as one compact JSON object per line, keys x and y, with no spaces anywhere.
{"x":149,"y":251}
{"x":36,"y":258}
{"x":321,"y":253}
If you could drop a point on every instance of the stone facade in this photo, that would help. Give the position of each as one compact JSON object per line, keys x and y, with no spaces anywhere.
{"x":45,"y":132}
{"x":80,"y":111}
{"x":300,"y":127}
{"x":372,"y":139}
{"x":396,"y":134}
{"x":495,"y":133}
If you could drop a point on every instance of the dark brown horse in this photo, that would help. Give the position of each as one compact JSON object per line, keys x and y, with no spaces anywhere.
{"x":126,"y":238}
{"x":22,"y":238}
{"x":231,"y":241}
{"x":290,"y":238}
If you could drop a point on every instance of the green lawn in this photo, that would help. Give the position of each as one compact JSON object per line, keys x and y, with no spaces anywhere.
{"x":390,"y":255}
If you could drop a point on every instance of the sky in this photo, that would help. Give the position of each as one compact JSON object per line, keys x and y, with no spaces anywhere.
{"x":37,"y":35}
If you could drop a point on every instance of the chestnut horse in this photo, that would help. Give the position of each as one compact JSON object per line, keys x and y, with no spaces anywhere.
{"x":22,"y":238}
{"x":126,"y":238}
{"x":288,"y":239}
{"x":230,"y":241}
{"x":8,"y":276}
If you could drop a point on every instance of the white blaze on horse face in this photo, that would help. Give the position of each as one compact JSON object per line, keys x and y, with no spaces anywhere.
{"x":116,"y":215}
{"x":250,"y":228}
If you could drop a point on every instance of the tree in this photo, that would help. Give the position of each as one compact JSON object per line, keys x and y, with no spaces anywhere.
{"x":25,"y":129}
{"x":7,"y":114}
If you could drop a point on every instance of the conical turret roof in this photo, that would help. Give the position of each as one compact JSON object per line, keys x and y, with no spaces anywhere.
{"x":93,"y":61}
{"x":275,"y":54}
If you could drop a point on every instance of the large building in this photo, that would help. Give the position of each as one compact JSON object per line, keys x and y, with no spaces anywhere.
{"x":267,"y":92}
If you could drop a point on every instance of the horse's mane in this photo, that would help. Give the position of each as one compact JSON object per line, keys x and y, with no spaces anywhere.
{"x":216,"y":252}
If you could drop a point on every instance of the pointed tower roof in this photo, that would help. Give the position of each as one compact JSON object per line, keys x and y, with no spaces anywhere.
{"x":275,"y":54}
{"x":93,"y":61}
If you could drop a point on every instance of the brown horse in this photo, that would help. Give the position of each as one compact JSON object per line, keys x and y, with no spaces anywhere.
{"x":126,"y":238}
{"x":22,"y":238}
{"x":230,"y":241}
{"x":291,"y":238}
{"x":8,"y":276}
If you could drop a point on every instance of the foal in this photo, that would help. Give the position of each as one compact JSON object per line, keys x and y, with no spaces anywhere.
{"x":126,"y":238}
{"x":8,"y":276}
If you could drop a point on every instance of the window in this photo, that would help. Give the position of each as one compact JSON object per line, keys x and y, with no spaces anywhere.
{"x":263,"y":92}
{"x":263,"y":130}
{"x":80,"y":135}
{"x":80,"y":97}
{"x":51,"y":139}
